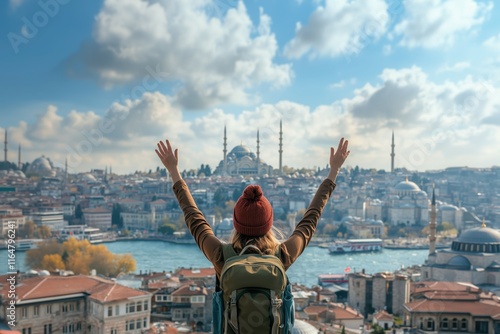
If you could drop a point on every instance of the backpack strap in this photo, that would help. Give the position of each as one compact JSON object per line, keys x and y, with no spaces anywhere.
{"x":228,"y":251}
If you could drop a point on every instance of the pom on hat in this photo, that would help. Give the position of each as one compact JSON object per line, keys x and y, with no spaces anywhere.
{"x":253,"y":214}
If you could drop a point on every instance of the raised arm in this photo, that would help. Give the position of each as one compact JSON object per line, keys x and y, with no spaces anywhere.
{"x":169,"y":158}
{"x":297,"y":242}
{"x":195,"y":221}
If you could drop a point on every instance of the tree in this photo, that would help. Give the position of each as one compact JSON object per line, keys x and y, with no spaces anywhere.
{"x":167,"y":229}
{"x":43,"y":232}
{"x":51,"y":262}
{"x":376,"y":329}
{"x":124,"y":263}
{"x":343,"y":330}
{"x":79,"y":256}
{"x":27,"y":230}
{"x":116,"y":215}
{"x":34,"y":257}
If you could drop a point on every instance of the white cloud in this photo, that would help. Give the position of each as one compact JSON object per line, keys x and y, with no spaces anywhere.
{"x":437,"y":125}
{"x":339,"y":27}
{"x":457,"y":67}
{"x":437,"y":23}
{"x":213,"y":58}
{"x":493,"y":43}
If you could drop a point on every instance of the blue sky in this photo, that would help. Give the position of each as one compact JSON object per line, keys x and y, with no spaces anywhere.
{"x":100,"y":82}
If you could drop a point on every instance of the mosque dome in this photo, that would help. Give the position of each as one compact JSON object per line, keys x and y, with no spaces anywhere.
{"x":41,"y":166}
{"x":241,"y":151}
{"x":302,"y":327}
{"x":478,"y":240}
{"x":459,"y":262}
{"x":407,"y":186}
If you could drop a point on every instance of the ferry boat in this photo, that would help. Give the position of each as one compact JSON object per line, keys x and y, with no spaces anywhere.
{"x":82,"y":232}
{"x":23,"y":245}
{"x":337,"y":279}
{"x":356,"y":246}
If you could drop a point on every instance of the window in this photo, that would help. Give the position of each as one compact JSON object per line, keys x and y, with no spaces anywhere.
{"x":139,"y":307}
{"x":65,"y":329}
{"x":131,"y":325}
{"x":113,"y":331}
{"x":463,"y":325}
{"x":158,"y":298}
{"x":444,"y":324}
{"x":27,"y":330}
{"x":49,"y":309}
{"x":65,"y":308}
{"x":481,"y":327}
{"x":117,"y":309}
{"x":78,"y":306}
{"x":24,"y":312}
{"x":131,"y":308}
{"x":110,"y":311}
{"x":454,"y":324}
{"x":47,"y":329}
{"x":71,"y":307}
{"x":145,"y":305}
{"x":138,"y":324}
{"x":430,"y":324}
{"x":36,"y":310}
{"x":144,"y":323}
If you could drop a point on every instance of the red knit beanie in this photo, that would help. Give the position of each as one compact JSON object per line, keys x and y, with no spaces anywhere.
{"x":253,"y":214}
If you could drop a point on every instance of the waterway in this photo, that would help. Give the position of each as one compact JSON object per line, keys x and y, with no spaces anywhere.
{"x":163,"y":256}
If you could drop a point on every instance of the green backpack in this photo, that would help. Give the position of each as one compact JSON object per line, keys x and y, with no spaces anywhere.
{"x":255,"y":295}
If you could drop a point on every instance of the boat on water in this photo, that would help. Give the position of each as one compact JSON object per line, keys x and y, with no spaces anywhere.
{"x":328,"y":279}
{"x":23,"y":245}
{"x":82,"y":232}
{"x":356,"y":246}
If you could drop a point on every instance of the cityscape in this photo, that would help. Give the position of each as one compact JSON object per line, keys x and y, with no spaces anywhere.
{"x":93,"y":239}
{"x":453,"y":213}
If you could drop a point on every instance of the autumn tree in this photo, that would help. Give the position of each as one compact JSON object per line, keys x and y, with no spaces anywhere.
{"x":52,"y":262}
{"x":34,"y":257}
{"x":27,"y":230}
{"x":124,"y":263}
{"x":79,"y":256}
{"x":43,"y":232}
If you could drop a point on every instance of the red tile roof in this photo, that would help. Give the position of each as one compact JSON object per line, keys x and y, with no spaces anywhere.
{"x":474,"y":308}
{"x":57,"y":286}
{"x":190,"y":290}
{"x":383,"y":315}
{"x":196,"y":273}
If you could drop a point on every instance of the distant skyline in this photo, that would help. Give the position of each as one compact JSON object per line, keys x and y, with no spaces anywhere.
{"x":100,"y":82}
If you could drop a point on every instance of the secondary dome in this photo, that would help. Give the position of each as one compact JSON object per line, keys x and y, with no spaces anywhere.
{"x":478,"y":240}
{"x":302,"y":327}
{"x":407,"y":186}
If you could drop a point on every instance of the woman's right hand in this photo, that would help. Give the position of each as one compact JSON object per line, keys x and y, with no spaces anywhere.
{"x":337,"y":158}
{"x":169,"y":158}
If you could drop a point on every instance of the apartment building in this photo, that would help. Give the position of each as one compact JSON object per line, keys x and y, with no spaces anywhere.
{"x":77,"y":304}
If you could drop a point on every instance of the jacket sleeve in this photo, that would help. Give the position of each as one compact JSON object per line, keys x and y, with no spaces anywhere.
{"x":297,"y":242}
{"x":209,"y":244}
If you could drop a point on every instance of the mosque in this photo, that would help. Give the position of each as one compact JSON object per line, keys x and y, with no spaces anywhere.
{"x":473,"y":257}
{"x":241,"y":161}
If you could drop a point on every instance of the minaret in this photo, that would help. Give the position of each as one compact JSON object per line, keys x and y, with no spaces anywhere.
{"x":392,"y":153}
{"x":19,"y":158}
{"x":281,"y":150}
{"x":258,"y":154}
{"x":5,"y":146}
{"x":432,"y":225}
{"x":225,"y":152}
{"x":66,"y":168}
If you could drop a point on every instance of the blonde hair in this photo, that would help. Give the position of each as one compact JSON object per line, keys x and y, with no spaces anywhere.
{"x":268,"y":243}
